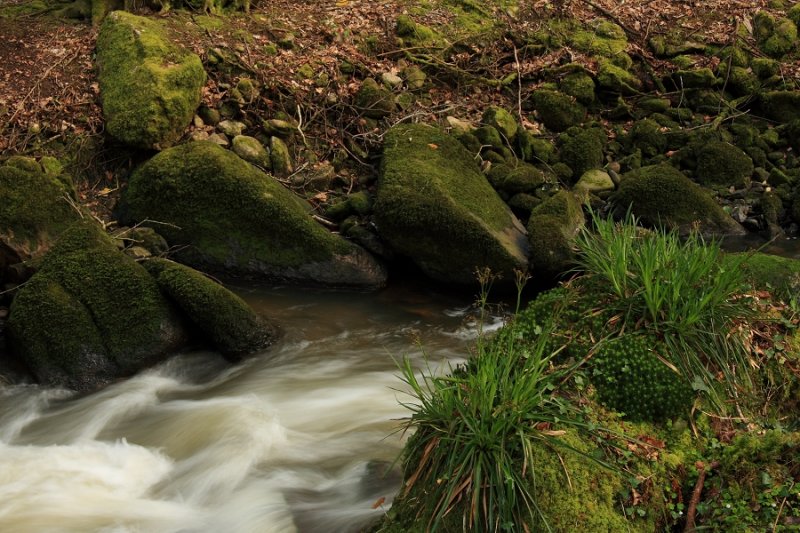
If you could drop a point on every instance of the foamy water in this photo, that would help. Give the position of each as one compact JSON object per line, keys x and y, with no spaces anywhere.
{"x":299,"y":438}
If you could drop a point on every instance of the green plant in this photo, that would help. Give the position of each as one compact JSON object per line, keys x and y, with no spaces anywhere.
{"x":476,"y":430}
{"x":677,"y":289}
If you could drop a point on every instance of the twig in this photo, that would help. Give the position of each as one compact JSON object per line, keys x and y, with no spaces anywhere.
{"x":691,"y":511}
{"x":519,"y":83}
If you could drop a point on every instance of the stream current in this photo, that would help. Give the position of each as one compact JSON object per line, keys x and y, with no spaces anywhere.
{"x":298,"y":438}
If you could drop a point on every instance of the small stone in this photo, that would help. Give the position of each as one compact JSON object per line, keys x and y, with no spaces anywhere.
{"x":198,"y":122}
{"x":415,"y":78}
{"x":247,"y":88}
{"x":281,"y":128}
{"x":252,"y":151}
{"x":231,"y":128}
{"x":3,"y":313}
{"x":138,"y":252}
{"x":209,"y":115}
{"x":391,"y":80}
{"x":503,"y":121}
{"x":458,"y":126}
{"x":595,"y":181}
{"x":280,"y":158}
{"x":199,"y":135}
{"x":218,"y":138}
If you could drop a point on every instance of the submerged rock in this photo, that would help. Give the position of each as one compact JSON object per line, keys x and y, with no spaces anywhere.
{"x":434,"y":206}
{"x":150,"y":88}
{"x":230,"y":217}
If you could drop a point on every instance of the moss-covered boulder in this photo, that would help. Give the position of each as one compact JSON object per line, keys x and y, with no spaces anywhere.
{"x":35,"y":209}
{"x":776,"y":37}
{"x":661,"y":195}
{"x":91,"y":314}
{"x":516,"y":178}
{"x":434,"y":206}
{"x":780,"y":275}
{"x":150,"y":88}
{"x":646,"y":135}
{"x":721,"y":163}
{"x":227,"y":216}
{"x":579,"y":85}
{"x":582,"y":149}
{"x":782,"y":106}
{"x":223,"y":318}
{"x":552,"y":229}
{"x":556,"y":110}
{"x":594,"y":181}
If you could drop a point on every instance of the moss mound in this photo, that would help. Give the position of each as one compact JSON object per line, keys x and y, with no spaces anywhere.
{"x":631,"y":379}
{"x":660,"y":195}
{"x":781,"y":275}
{"x":232,"y":326}
{"x":582,"y":149}
{"x":776,"y":37}
{"x":552,"y":228}
{"x":721,"y":163}
{"x":782,"y":106}
{"x":434,"y":206}
{"x":150,"y":88}
{"x":34,"y":210}
{"x":91,"y":314}
{"x":557,"y":111}
{"x":230,"y":217}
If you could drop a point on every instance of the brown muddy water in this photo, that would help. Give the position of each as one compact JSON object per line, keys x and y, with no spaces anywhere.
{"x":298,"y":438}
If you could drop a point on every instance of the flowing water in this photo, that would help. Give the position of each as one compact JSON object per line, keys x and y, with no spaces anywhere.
{"x":298,"y":438}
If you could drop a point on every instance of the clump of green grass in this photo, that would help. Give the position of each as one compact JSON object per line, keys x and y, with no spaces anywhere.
{"x":677,"y":289}
{"x":476,"y":428}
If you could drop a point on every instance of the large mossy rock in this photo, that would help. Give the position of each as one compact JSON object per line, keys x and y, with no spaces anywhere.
{"x":91,"y":314}
{"x":150,"y":88}
{"x":227,"y":216}
{"x":779,"y":275}
{"x":721,"y":163}
{"x":434,"y":206}
{"x":35,"y":208}
{"x":660,"y":195}
{"x":226,"y":320}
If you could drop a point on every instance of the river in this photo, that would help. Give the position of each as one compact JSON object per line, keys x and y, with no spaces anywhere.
{"x":298,"y":438}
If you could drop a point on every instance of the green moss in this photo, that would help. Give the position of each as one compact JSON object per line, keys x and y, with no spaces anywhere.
{"x":578,"y":85}
{"x":516,"y":178}
{"x":765,"y":68}
{"x":661,"y":195}
{"x":534,"y":149}
{"x":34,"y":211}
{"x":603,"y":38}
{"x":630,"y":378}
{"x":694,"y":79}
{"x":582,"y":149}
{"x":503,"y":121}
{"x":721,"y":163}
{"x":414,"y":34}
{"x":654,"y":105}
{"x":557,"y":111}
{"x":374,"y":101}
{"x":232,"y":326}
{"x":794,"y":14}
{"x":782,"y":106}
{"x":229,"y":216}
{"x":552,"y":229}
{"x":489,"y":136}
{"x":85,"y":273}
{"x":742,"y":81}
{"x":771,"y":272}
{"x":434,"y":206}
{"x":150,"y":88}
{"x":616,"y":79}
{"x":776,"y":37}
{"x":647,"y":136}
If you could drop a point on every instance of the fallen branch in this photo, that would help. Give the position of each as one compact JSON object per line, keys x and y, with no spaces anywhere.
{"x":691,"y":511}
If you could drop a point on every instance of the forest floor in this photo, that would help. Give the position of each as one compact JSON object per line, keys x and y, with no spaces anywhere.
{"x":48,"y":87}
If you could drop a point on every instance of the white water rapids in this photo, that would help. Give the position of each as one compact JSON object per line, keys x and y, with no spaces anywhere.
{"x":299,"y":438}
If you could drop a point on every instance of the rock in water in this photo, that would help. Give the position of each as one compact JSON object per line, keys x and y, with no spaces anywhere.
{"x":91,"y":314}
{"x":149,"y":87}
{"x":434,"y":206}
{"x":230,"y":217}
